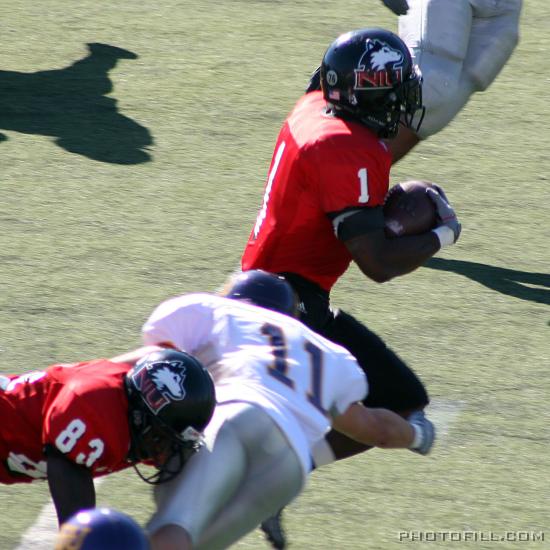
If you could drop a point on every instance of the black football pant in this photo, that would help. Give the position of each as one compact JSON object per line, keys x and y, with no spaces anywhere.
{"x":392,"y":384}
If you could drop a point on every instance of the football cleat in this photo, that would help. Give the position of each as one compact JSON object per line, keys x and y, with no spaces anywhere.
{"x":273,"y":531}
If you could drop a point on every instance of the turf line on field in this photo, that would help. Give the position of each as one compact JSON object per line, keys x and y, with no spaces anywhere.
{"x":41,"y":535}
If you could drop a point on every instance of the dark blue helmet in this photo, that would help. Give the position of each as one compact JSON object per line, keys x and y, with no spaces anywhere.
{"x":369,"y":75}
{"x":265,"y":290}
{"x":101,"y":529}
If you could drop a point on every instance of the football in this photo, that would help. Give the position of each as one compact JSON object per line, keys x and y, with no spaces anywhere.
{"x":408,"y":210}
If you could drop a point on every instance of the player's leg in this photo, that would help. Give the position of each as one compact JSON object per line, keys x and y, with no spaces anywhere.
{"x":437,"y":33}
{"x":392,"y":384}
{"x":245,"y":472}
{"x":273,"y":479}
{"x":460,"y":46}
{"x":186,"y":505}
{"x":493,"y":38}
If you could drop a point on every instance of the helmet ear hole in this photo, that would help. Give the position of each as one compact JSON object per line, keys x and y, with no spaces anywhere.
{"x":369,"y":75}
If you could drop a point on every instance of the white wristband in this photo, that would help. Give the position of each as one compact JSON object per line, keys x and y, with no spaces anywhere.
{"x":418,"y":437}
{"x":445,"y":235}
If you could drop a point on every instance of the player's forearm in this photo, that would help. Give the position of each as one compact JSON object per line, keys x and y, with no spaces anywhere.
{"x":71,"y":485}
{"x":387,"y":430}
{"x":375,"y":427}
{"x":134,"y":356}
{"x":405,"y":254}
{"x":394,"y":257}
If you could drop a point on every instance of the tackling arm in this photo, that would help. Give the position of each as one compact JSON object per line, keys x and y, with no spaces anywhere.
{"x":376,"y":427}
{"x":134,"y":356}
{"x":386,"y":429}
{"x":71,"y":485}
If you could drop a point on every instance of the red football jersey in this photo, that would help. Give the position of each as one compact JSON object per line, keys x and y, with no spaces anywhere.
{"x":81,"y":409}
{"x":322,"y":164}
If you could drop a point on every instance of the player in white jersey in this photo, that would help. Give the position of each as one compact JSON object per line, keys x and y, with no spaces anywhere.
{"x":279,"y":387}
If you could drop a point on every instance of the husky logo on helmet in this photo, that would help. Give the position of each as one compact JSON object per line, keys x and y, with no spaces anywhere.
{"x":160,"y":383}
{"x":379,"y":67}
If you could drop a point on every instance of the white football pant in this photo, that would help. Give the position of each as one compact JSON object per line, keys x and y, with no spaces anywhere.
{"x":245,"y":473}
{"x":460,"y":47}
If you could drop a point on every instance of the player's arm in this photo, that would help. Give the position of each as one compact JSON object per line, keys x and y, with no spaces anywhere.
{"x":71,"y":485}
{"x":386,"y":429}
{"x":402,"y":144}
{"x":381,"y":258}
{"x":378,"y":257}
{"x":134,"y":356}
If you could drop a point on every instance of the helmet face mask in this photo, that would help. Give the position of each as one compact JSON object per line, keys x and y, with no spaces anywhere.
{"x":164,"y":448}
{"x":171,"y":400}
{"x":368,"y":75}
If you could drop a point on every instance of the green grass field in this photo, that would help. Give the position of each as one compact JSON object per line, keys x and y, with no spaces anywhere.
{"x":133,"y":170}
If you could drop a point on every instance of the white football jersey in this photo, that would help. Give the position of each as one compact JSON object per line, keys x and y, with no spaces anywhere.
{"x":265,"y":358}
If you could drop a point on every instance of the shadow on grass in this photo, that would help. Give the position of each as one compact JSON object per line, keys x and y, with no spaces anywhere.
{"x":71,"y":105}
{"x":534,"y":287}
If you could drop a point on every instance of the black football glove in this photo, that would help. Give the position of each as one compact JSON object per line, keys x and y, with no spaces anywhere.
{"x":399,"y":7}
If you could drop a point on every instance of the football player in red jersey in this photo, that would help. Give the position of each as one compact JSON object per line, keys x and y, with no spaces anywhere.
{"x":72,"y":422}
{"x":322,"y":206}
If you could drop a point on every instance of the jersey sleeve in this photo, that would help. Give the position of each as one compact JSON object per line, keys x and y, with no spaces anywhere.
{"x":351,"y":175}
{"x":183,"y":322}
{"x":353,"y":223}
{"x":88,"y":429}
{"x":352,"y":385}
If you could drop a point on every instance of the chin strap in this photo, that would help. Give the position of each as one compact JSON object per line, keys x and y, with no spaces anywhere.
{"x":171,"y":467}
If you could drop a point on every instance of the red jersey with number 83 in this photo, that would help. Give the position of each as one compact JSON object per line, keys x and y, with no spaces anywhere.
{"x":321,"y":165}
{"x":81,"y":409}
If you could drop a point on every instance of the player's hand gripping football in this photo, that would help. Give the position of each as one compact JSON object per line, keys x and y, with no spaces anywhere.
{"x":399,"y":7}
{"x":424,"y":433}
{"x":449,"y":227}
